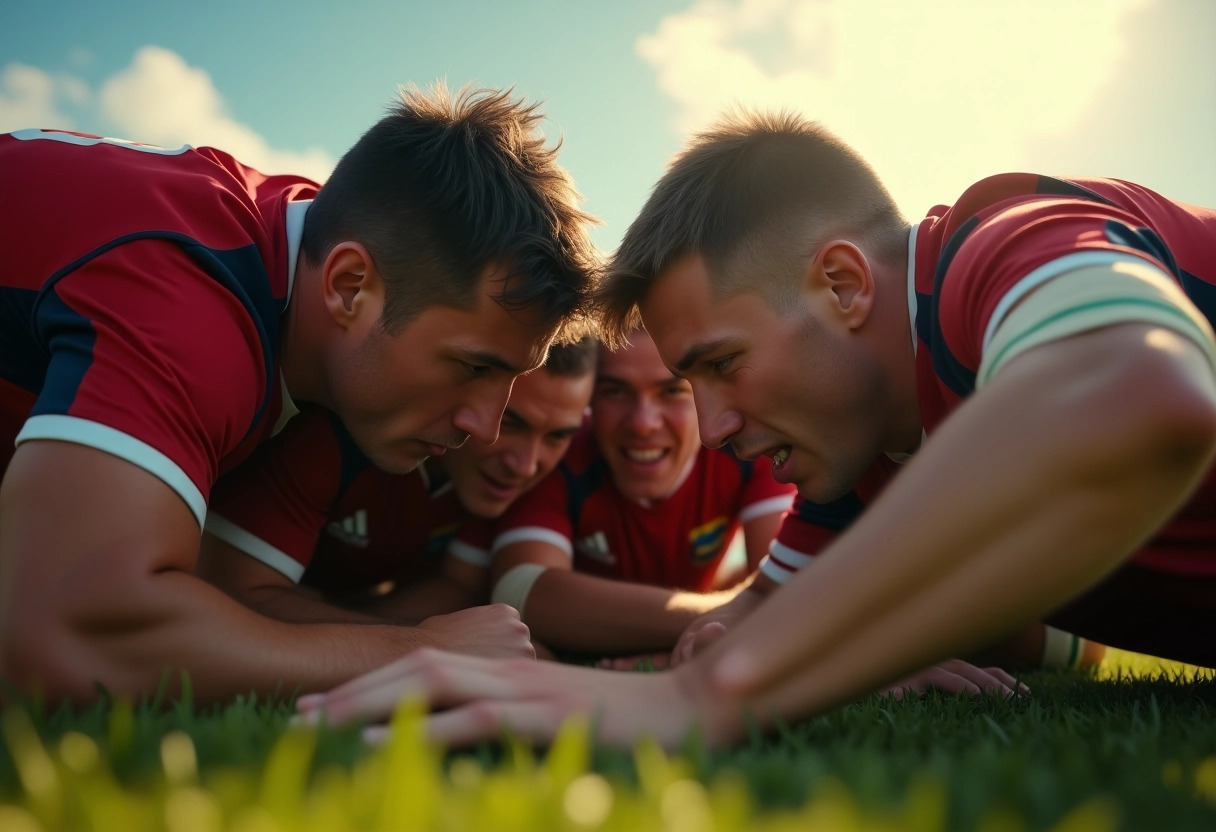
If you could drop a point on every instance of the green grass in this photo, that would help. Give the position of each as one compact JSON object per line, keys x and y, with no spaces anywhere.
{"x":1079,"y":754}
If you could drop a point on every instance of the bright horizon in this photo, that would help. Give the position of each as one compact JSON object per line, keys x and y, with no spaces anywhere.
{"x":935,"y":95}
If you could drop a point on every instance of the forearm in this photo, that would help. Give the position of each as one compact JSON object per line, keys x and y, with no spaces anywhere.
{"x":301,"y":605}
{"x":572,"y":611}
{"x":175,"y":622}
{"x":956,"y":553}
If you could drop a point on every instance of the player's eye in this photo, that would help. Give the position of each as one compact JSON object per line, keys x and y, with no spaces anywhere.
{"x":475,"y":370}
{"x":721,"y":365}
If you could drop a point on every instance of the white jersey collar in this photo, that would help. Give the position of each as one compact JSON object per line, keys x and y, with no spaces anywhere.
{"x":911,"y":281}
{"x":295,"y":232}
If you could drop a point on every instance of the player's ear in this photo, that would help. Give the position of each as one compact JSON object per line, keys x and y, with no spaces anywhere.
{"x":351,"y":285}
{"x":841,"y":268}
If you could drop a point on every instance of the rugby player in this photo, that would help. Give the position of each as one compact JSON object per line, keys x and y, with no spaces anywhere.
{"x":1043,"y":349}
{"x":617,"y":550}
{"x":310,"y":530}
{"x":161,"y":310}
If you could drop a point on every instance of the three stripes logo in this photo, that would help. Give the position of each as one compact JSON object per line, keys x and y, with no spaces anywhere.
{"x":595,"y":547}
{"x":351,"y":530}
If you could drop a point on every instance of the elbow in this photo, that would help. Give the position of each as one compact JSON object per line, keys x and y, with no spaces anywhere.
{"x":62,"y":647}
{"x":1157,"y":436}
{"x":44,"y":662}
{"x":1180,"y":428}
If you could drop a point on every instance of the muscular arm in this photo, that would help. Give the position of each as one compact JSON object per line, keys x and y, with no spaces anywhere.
{"x":585,"y":613}
{"x":96,"y":584}
{"x":268,"y":591}
{"x":1038,"y":486}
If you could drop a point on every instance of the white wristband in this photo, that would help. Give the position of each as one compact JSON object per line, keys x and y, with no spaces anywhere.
{"x":513,"y":587}
{"x":1061,"y":649}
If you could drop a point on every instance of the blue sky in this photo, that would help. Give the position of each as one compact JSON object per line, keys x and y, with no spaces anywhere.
{"x":936,"y":93}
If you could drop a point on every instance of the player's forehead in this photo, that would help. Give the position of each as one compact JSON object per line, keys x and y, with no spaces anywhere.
{"x":511,"y":339}
{"x":638,"y":365}
{"x":546,"y":401}
{"x":683,"y":314}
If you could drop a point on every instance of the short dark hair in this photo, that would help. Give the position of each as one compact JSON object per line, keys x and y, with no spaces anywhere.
{"x":575,"y":359}
{"x":443,"y":187}
{"x":751,"y":195}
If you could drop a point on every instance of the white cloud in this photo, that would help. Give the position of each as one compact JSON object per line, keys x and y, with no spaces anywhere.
{"x":29,"y":98}
{"x":160,"y":99}
{"x":936,"y":94}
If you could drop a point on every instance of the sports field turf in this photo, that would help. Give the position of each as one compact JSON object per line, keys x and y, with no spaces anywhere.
{"x":1081,"y":753}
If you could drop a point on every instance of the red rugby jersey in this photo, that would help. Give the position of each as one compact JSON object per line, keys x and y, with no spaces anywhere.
{"x":310,"y":504}
{"x":140,"y":296}
{"x":1003,"y":236}
{"x":677,"y":542}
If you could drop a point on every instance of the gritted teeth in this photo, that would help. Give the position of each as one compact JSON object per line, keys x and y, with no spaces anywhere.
{"x":781,"y":455}
{"x":644,"y":454}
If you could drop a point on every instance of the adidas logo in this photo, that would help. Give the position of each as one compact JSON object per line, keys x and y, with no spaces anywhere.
{"x":595,"y":547}
{"x":352,"y":531}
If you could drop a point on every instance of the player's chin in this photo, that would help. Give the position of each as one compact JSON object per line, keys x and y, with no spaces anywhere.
{"x":817,"y":487}
{"x":394,"y":459}
{"x":488,"y":508}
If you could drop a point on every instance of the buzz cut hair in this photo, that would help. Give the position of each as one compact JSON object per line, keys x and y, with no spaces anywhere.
{"x":445,"y":186}
{"x":754,"y":196}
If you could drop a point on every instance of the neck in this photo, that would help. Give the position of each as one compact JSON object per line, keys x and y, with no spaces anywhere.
{"x":302,"y":351}
{"x":904,"y":429}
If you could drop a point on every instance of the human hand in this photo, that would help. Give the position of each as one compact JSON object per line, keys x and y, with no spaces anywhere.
{"x":493,"y":631}
{"x":958,"y":677}
{"x":699,"y":635}
{"x":474,"y":699}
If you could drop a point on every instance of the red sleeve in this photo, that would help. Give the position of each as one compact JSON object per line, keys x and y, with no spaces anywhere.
{"x":275,"y":505}
{"x":1021,"y":245}
{"x":542,"y":514}
{"x":152,"y":360}
{"x":763,"y":495}
{"x":809,"y":528}
{"x":473,"y":540}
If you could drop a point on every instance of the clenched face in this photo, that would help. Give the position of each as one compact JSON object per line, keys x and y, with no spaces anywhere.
{"x":795,"y":386}
{"x":643,"y":419}
{"x":445,"y":376}
{"x":542,"y":415}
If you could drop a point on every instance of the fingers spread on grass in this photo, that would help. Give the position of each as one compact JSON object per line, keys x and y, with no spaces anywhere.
{"x":1009,"y":679}
{"x":991,"y":680}
{"x":536,"y":722}
{"x":940,"y":678}
{"x":441,"y":679}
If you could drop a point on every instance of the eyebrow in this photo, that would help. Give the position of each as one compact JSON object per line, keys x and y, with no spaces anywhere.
{"x":492,"y":360}
{"x":697,"y":351}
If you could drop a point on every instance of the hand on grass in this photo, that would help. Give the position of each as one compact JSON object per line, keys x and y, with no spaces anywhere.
{"x":493,"y":631}
{"x":959,"y":677}
{"x":475,"y":699}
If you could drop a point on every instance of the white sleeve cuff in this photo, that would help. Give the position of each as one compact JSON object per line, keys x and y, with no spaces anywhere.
{"x":537,"y":533}
{"x":122,"y":445}
{"x":772,"y":505}
{"x":469,"y":553}
{"x":254,"y":546}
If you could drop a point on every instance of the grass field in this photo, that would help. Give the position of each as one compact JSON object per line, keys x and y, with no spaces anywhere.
{"x":1134,"y":749}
